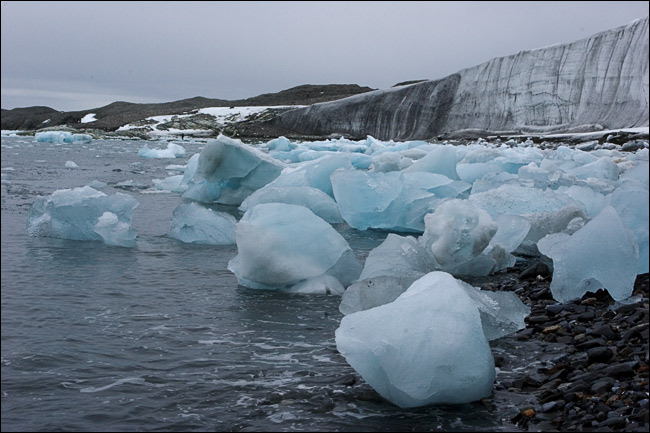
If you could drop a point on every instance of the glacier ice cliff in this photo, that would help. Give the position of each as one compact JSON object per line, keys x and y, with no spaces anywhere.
{"x":600,"y":81}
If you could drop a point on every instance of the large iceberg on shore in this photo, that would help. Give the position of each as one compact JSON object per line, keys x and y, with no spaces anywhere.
{"x":426,"y":347}
{"x":600,"y":255}
{"x":193,"y":223}
{"x":84,"y":214}
{"x":281,"y":245}
{"x":229,"y":171}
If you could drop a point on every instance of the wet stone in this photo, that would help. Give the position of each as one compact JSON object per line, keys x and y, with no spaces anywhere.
{"x":599,"y":354}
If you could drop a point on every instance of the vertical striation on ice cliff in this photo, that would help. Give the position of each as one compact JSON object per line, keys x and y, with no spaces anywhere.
{"x":601,"y":80}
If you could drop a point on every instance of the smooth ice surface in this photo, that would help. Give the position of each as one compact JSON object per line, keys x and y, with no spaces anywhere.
{"x":398,"y":256}
{"x":61,"y":137}
{"x":229,"y":171}
{"x":83,"y":214}
{"x":193,"y":223}
{"x":314,"y":199}
{"x":426,"y":347}
{"x":315,"y":174}
{"x":631,"y":204}
{"x":173,"y":150}
{"x":372,"y":292}
{"x":280,"y":245}
{"x":381,"y":201}
{"x":601,"y":255}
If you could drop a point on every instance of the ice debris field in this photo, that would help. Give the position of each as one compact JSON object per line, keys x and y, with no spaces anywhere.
{"x":412,"y":328}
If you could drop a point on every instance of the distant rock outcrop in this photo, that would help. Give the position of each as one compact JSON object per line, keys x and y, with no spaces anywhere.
{"x":600,"y":81}
{"x":116,"y":114}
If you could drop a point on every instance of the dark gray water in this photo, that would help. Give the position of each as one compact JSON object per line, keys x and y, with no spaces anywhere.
{"x":160,"y":337}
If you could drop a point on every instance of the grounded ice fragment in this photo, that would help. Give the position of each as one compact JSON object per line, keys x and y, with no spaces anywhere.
{"x":372,"y":292}
{"x":631,"y":204}
{"x":321,"y":285}
{"x":193,"y":223}
{"x":316,"y":200}
{"x":75,"y":214}
{"x":61,"y":137}
{"x":229,"y":171}
{"x":600,"y":255}
{"x":426,"y":347}
{"x":281,"y":245}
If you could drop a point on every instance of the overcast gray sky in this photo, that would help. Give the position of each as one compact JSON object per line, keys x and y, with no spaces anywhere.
{"x":81,"y":55}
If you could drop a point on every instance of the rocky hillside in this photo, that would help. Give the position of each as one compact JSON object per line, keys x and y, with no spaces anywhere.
{"x":112,"y":116}
{"x":594,"y":83}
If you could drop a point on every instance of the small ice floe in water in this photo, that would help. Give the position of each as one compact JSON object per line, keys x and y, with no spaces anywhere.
{"x":83,"y":214}
{"x":61,"y":137}
{"x":281,"y":245}
{"x":71,"y":164}
{"x":173,"y":151}
{"x":426,"y":347}
{"x":193,"y":223}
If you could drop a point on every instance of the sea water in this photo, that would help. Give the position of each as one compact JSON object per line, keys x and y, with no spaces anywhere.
{"x":160,"y":337}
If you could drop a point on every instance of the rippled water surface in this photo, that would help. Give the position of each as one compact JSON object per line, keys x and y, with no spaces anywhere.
{"x":160,"y":337}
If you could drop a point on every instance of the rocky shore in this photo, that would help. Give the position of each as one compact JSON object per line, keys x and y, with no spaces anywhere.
{"x":595,"y":376}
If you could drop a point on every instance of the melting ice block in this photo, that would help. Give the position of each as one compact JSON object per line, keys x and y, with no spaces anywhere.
{"x":381,"y":200}
{"x":316,"y":200}
{"x":456,"y":233}
{"x":61,"y":137}
{"x":315,"y":174}
{"x":281,"y":245}
{"x":426,"y":347}
{"x":600,"y":255}
{"x":631,"y":204}
{"x":173,"y":151}
{"x":84,"y":214}
{"x":229,"y":171}
{"x":193,"y":223}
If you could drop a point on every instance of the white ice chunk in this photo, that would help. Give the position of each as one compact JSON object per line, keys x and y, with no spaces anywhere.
{"x":601,"y":255}
{"x":282,"y":244}
{"x":372,"y":292}
{"x":457,"y":232}
{"x":173,"y":150}
{"x":321,"y":285}
{"x":316,"y":200}
{"x":115,"y":232}
{"x":426,"y":347}
{"x":193,"y":223}
{"x":75,"y":214}
{"x":71,"y":164}
{"x":171,"y":183}
{"x":315,"y":174}
{"x":398,"y":256}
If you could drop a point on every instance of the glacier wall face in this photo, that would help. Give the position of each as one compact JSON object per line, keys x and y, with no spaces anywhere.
{"x":602,"y":80}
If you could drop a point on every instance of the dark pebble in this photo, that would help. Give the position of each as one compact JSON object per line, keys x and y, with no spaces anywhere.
{"x":589,"y":344}
{"x":605,"y":331}
{"x":616,"y":422}
{"x":587,"y":315}
{"x":603,"y":385}
{"x":599,"y":354}
{"x":622,"y":369}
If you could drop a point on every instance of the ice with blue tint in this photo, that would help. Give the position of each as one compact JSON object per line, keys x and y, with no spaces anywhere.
{"x":280,"y":245}
{"x":173,"y":150}
{"x":389,"y":161}
{"x":171,"y":183}
{"x":61,"y":137}
{"x":193,"y":223}
{"x":441,"y":160}
{"x":602,"y":168}
{"x":600,"y":255}
{"x":426,"y":347}
{"x":71,"y":164}
{"x":229,"y":171}
{"x":314,"y":199}
{"x":381,"y":201}
{"x":83,"y":214}
{"x":402,"y":257}
{"x":315,"y":174}
{"x":592,"y":200}
{"x":631,"y":204}
{"x":372,"y":292}
{"x":456,"y":233}
{"x":280,"y":144}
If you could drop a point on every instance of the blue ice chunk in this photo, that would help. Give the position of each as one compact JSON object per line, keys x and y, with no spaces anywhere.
{"x":61,"y":137}
{"x":193,"y":223}
{"x":426,"y":347}
{"x":381,"y":201}
{"x":229,"y":171}
{"x":83,"y":214}
{"x":315,"y":174}
{"x":281,"y":245}
{"x":600,"y":255}
{"x":441,"y":160}
{"x":631,"y":204}
{"x":602,"y":168}
{"x":280,"y":144}
{"x":314,"y":199}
